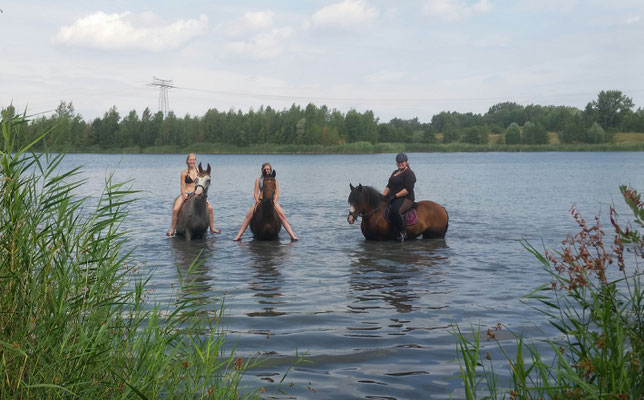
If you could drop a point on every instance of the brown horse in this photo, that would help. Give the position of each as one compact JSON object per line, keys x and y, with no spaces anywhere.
{"x":192,"y":220}
{"x":368,"y":203}
{"x":266,"y":224}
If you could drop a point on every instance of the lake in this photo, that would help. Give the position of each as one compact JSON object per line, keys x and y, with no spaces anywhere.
{"x":373,"y":319}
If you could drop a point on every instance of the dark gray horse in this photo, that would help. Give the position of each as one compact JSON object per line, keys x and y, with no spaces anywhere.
{"x":192,"y":221}
{"x":265,"y":223}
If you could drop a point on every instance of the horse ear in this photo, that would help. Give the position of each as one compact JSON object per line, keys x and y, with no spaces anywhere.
{"x":274,"y":173}
{"x":208,"y":170}
{"x":359,"y":186}
{"x":351,"y":186}
{"x":200,"y":169}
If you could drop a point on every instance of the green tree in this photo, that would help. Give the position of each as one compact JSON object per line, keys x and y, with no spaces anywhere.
{"x":534,"y":133}
{"x":595,"y":134}
{"x":355,"y":130}
{"x":610,"y":109}
{"x":513,"y":134}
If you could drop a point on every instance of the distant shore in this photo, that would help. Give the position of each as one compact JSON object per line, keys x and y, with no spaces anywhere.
{"x":357,"y":148}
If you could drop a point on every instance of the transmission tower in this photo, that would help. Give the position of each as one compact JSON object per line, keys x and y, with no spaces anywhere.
{"x":163,"y":85}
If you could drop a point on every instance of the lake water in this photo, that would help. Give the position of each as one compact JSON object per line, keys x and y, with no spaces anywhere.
{"x":373,"y":319}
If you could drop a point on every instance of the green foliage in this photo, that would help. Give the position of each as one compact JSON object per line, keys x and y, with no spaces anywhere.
{"x":599,"y":352}
{"x":321,"y":126}
{"x":513,"y":134}
{"x":595,"y":134}
{"x":534,"y":133}
{"x":74,"y":320}
{"x":475,"y":135}
{"x":610,"y":109}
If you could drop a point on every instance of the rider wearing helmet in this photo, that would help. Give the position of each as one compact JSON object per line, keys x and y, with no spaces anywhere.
{"x":400,"y":194}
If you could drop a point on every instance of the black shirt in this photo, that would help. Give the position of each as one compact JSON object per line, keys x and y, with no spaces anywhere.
{"x":406,"y":180}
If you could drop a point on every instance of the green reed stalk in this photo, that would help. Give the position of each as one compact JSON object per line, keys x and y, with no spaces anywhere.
{"x":600,"y":351}
{"x":72,"y":325}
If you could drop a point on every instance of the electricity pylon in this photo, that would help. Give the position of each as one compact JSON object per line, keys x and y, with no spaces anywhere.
{"x":164,"y":85}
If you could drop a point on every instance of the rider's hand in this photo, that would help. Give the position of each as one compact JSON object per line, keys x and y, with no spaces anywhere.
{"x":391,"y":197}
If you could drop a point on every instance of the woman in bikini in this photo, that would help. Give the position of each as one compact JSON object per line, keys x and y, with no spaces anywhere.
{"x":187,"y":184}
{"x":257,"y":193}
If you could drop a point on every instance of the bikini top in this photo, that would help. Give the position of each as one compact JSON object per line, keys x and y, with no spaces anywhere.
{"x":188,"y":179}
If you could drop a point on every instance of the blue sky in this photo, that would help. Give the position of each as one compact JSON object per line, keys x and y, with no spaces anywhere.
{"x":400,"y":59}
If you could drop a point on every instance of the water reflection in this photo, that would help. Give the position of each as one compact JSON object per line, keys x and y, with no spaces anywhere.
{"x":196,"y":277}
{"x":266,"y":260}
{"x":382,"y":271}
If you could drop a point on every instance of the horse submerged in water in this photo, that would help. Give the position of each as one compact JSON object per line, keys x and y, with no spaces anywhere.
{"x":431,"y":219}
{"x":266,"y":224}
{"x":192,"y":220}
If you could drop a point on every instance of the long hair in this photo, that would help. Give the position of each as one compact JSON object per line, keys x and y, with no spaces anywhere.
{"x":261,"y":171}
{"x":187,"y":158}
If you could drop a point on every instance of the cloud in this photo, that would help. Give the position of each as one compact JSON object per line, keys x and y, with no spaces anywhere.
{"x":633,"y":20}
{"x":455,"y":10}
{"x":251,"y":21}
{"x":345,"y":14}
{"x":126,"y":31}
{"x":263,"y":45}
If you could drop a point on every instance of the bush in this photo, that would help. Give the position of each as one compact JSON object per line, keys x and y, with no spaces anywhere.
{"x":513,"y":134}
{"x":73,"y":322}
{"x":600,"y":353}
{"x":595,"y":134}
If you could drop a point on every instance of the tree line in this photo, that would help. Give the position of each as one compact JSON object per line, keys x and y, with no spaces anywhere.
{"x":512,"y":124}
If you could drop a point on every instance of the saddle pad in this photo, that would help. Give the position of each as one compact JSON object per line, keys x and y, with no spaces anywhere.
{"x":410,"y":217}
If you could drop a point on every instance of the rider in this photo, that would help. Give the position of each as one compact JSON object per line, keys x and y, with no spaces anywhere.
{"x":187,"y":184}
{"x":257,"y":193}
{"x":400,"y":194}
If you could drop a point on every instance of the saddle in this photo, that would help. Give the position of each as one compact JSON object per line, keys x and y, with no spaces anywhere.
{"x":409,"y":217}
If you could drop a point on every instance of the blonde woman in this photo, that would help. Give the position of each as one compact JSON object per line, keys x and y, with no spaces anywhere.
{"x":187,"y":185}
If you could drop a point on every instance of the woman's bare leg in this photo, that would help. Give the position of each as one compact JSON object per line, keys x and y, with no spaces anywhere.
{"x":287,"y":226}
{"x":178,"y":202}
{"x":245,"y":224}
{"x":211,"y":218}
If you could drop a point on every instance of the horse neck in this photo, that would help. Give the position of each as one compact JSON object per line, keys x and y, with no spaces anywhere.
{"x":373,"y":200}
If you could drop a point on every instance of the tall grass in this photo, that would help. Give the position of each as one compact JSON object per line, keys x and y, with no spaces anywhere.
{"x":595,"y":302}
{"x":72,"y":325}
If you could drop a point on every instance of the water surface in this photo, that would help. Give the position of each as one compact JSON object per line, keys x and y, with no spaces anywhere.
{"x":374,"y":319}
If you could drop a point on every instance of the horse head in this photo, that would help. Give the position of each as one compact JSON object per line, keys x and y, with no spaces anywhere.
{"x":356,"y":200}
{"x":363,"y":201}
{"x":269,"y":186}
{"x":202,"y":181}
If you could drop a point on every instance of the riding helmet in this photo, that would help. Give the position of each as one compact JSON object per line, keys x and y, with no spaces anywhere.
{"x":401,"y":157}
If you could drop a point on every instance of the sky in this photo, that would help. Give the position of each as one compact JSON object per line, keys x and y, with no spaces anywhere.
{"x":399,"y":59}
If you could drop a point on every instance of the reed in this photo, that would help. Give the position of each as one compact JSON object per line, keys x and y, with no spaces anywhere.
{"x":72,"y":323}
{"x":595,"y":302}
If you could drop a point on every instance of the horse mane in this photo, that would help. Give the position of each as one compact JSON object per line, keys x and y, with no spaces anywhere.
{"x":373,"y":196}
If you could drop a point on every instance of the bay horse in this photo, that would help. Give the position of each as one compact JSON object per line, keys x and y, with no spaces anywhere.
{"x":370,"y":204}
{"x":265,"y":223}
{"x":192,"y":220}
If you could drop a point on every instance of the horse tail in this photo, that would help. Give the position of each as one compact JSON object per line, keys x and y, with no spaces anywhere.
{"x":446,"y":222}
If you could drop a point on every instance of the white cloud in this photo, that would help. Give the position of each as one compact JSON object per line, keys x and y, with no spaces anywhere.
{"x":633,"y":20}
{"x":264,"y":45}
{"x":455,"y":10}
{"x":250,"y":22}
{"x":145,"y":31}
{"x":345,"y":14}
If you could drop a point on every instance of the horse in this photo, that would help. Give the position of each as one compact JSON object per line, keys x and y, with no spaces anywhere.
{"x":266,"y":224}
{"x":192,"y":221}
{"x":368,"y":203}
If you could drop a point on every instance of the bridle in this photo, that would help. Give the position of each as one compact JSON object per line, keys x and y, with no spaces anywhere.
{"x":205,"y":191}
{"x":362,"y":214}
